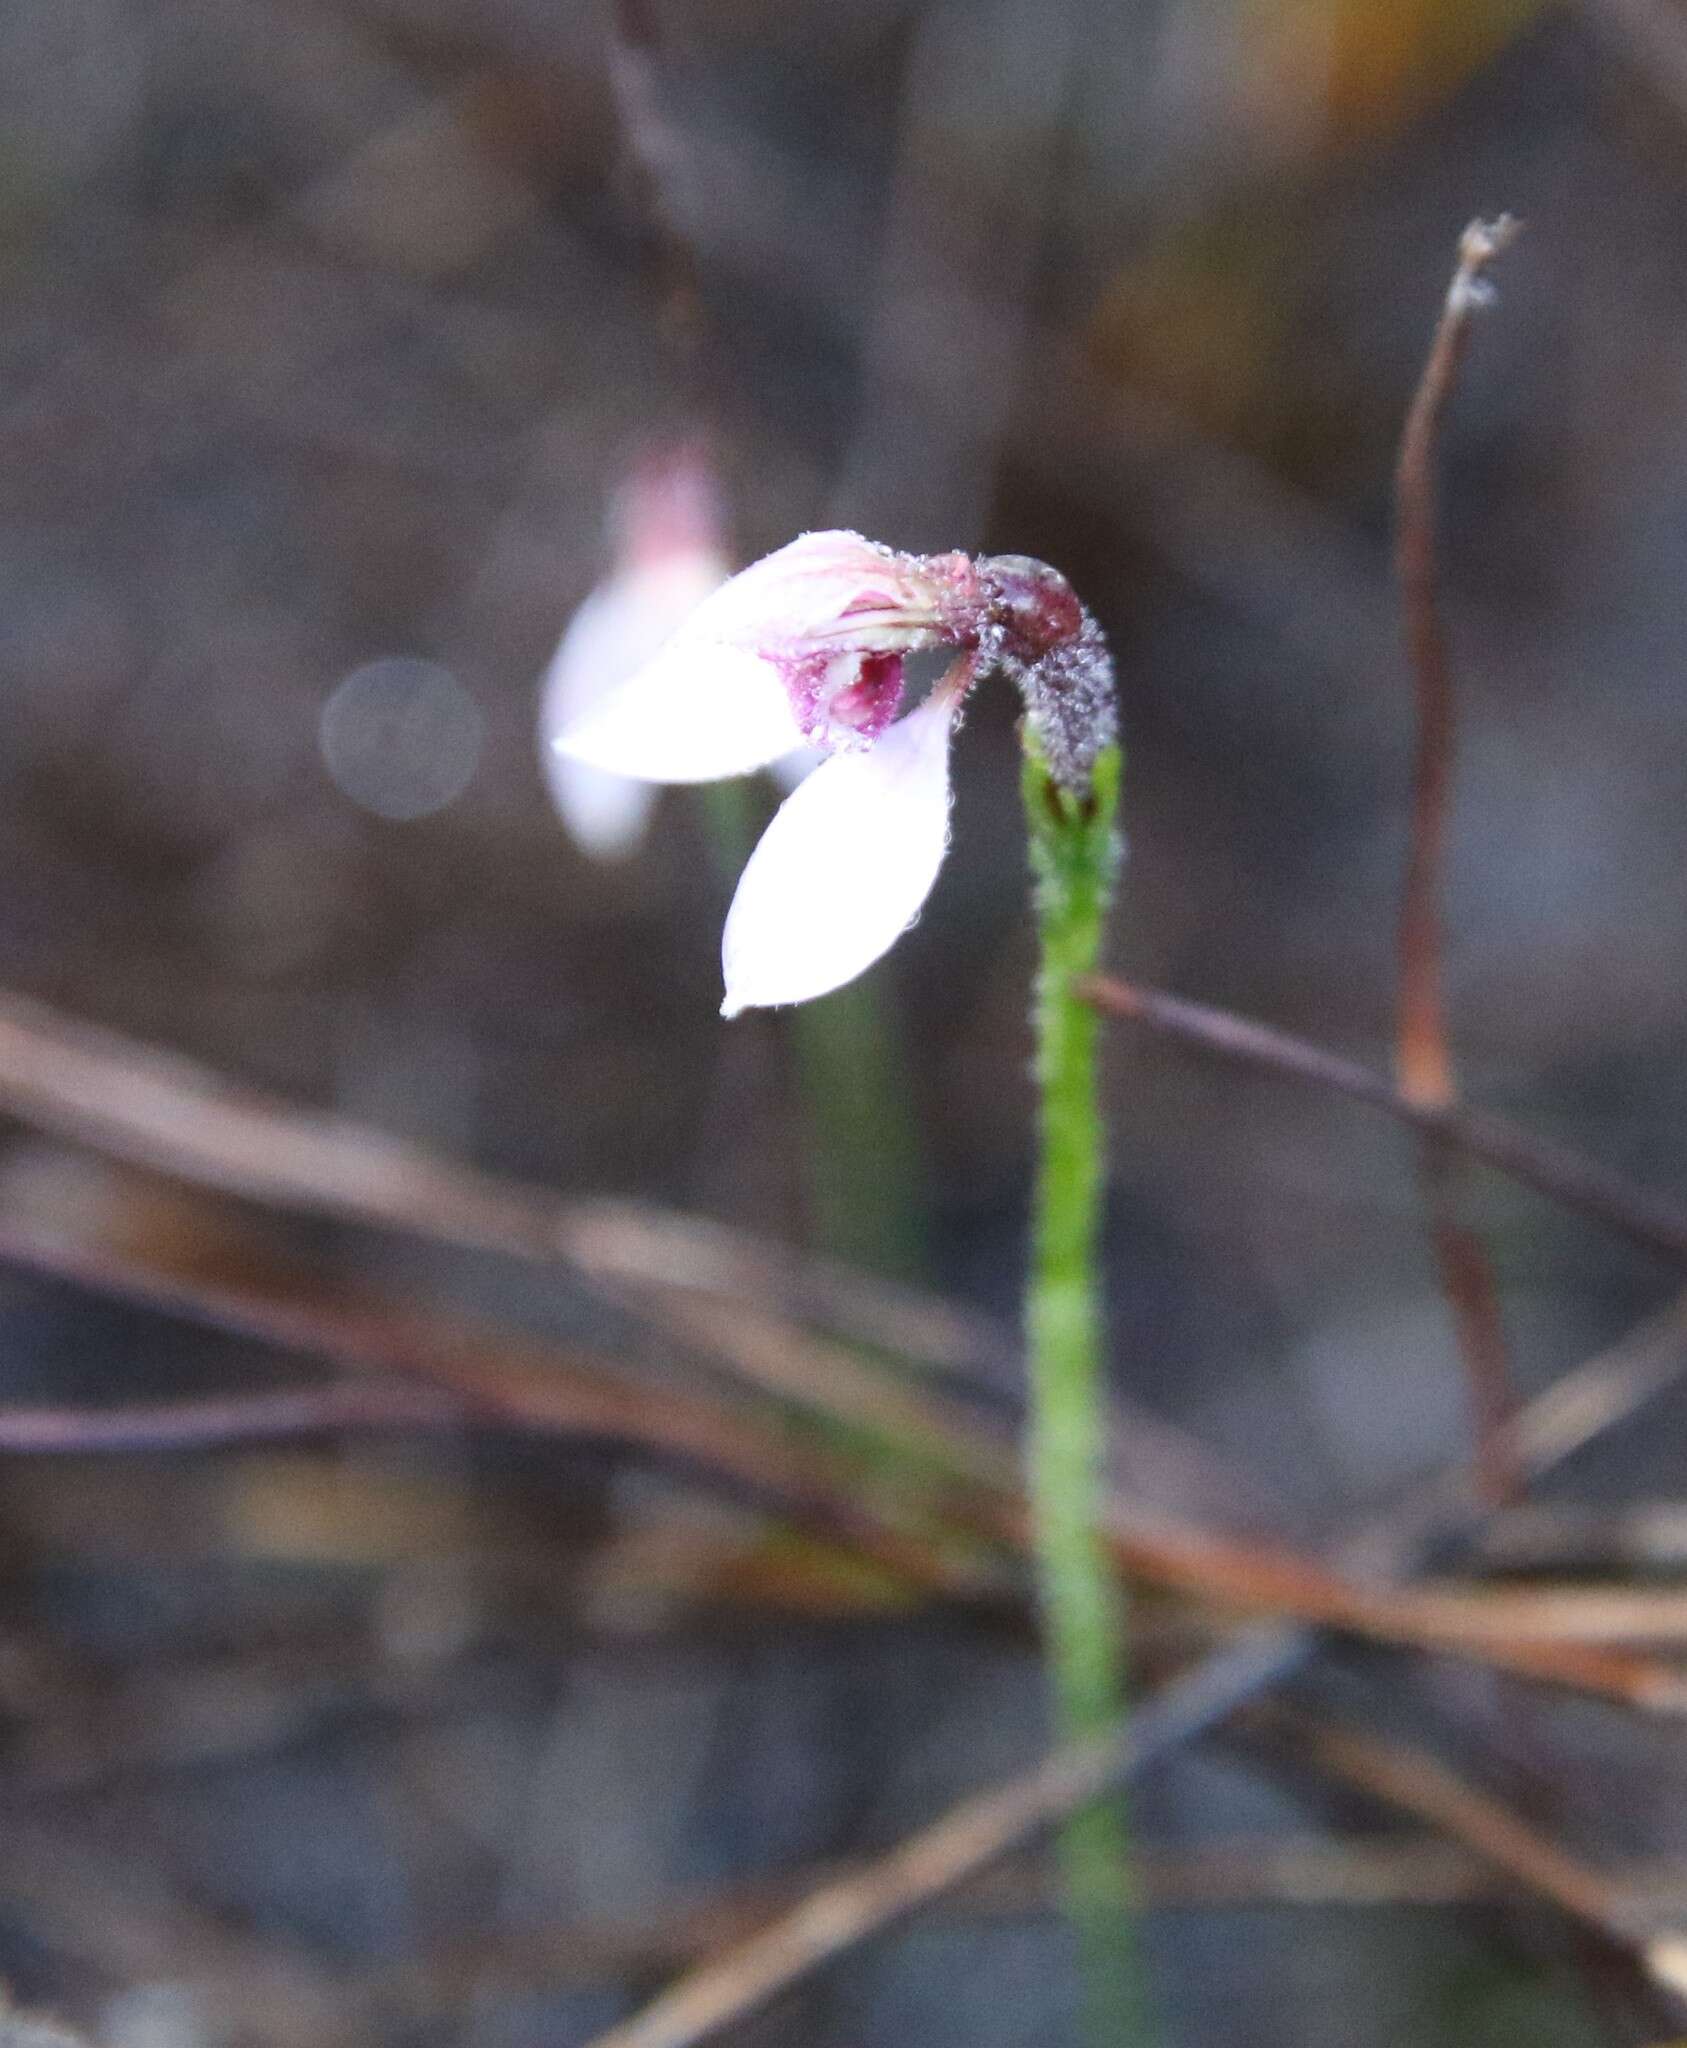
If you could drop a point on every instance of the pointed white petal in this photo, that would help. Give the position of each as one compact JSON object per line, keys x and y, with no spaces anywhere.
{"x":606,"y":814}
{"x":843,"y":869}
{"x":616,"y":630}
{"x":626,"y":620}
{"x":692,"y":714}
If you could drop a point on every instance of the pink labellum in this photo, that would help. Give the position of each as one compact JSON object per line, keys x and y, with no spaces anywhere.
{"x":843,"y":700}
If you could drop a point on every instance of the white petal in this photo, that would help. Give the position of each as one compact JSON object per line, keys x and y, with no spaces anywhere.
{"x":799,"y":589}
{"x":843,"y":869}
{"x":605,"y":814}
{"x":692,"y":714}
{"x":832,"y":589}
{"x":617,"y":629}
{"x":626,"y":620}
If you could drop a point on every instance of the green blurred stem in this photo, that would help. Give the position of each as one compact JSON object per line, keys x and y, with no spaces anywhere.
{"x":733,"y":814}
{"x":863,"y":1168}
{"x":860,"y":1162}
{"x":1074,"y":857}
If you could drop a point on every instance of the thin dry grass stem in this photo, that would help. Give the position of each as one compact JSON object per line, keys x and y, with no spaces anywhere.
{"x":218,"y":1420}
{"x":1423,"y":1057}
{"x":1413,"y":1782}
{"x":649,"y":1248}
{"x":492,"y":1378}
{"x":1601,"y":1394}
{"x":1264,"y":1870}
{"x":749,"y":1304}
{"x":1556,"y":1171}
{"x":443,"y":1371}
{"x":1570,"y":1614}
{"x":1356,"y":1874}
{"x":135,"y":1102}
{"x":1566,"y":1537}
{"x":839,"y":1915}
{"x":1280,"y":1582}
{"x":158,"y":1110}
{"x":793,"y":1365}
{"x":1472,"y":1294}
{"x":168,"y":1113}
{"x":1606,"y":1391}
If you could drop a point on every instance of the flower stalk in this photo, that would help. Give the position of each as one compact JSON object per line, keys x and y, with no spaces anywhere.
{"x":1074,"y":851}
{"x":1074,"y":855}
{"x":863,"y":1161}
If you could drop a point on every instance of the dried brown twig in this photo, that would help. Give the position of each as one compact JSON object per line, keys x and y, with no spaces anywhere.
{"x":952,"y":1849}
{"x":439,"y":1370}
{"x":1597,"y":1396}
{"x":1605,"y":1613}
{"x":1578,"y":1538}
{"x":1423,"y":1058}
{"x":175,"y":1115}
{"x":1358,"y":1872}
{"x":1556,"y":1171}
{"x":136,"y":1103}
{"x":839,"y":1914}
{"x":1535,"y":1636}
{"x":1582,"y":1405}
{"x":178,"y":1116}
{"x":218,"y":1419}
{"x":1425,"y":1062}
{"x":444,"y":1371}
{"x":1422,"y":1786}
{"x":157,"y":1109}
{"x":1472,"y":1292}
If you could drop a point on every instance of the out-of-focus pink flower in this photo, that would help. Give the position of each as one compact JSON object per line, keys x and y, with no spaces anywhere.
{"x":810,"y":644}
{"x":669,"y":554}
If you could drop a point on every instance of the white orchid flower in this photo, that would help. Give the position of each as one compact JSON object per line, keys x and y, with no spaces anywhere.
{"x":809,"y":645}
{"x":669,"y":554}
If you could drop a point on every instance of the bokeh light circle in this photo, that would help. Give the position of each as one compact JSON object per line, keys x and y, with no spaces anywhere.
{"x":401,"y":737}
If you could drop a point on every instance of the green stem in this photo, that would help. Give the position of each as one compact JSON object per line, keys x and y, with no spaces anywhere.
{"x":1074,"y":857}
{"x":863,"y":1164}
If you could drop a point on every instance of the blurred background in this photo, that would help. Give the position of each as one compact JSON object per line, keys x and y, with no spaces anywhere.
{"x":330,"y":334}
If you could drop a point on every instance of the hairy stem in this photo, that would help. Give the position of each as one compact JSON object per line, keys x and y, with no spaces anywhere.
{"x":1074,"y":855}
